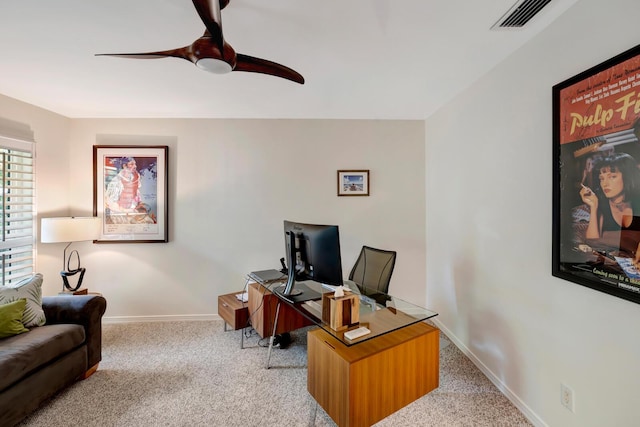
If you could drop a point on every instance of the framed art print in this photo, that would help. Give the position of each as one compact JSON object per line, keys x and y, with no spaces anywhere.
{"x":596,"y":177}
{"x":353,"y":183}
{"x":130,"y":193}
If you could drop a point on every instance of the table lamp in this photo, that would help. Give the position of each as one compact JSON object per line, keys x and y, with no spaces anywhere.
{"x":69,"y":230}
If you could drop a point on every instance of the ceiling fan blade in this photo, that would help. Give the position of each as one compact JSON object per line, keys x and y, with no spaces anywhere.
{"x":182,"y":53}
{"x":257,"y":65}
{"x":209,"y":11}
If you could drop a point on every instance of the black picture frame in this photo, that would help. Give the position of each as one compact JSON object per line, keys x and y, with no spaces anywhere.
{"x":596,"y":177}
{"x":142,"y":215}
{"x":353,"y":182}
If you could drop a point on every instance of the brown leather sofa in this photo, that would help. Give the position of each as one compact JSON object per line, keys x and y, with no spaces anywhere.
{"x":37,"y":364}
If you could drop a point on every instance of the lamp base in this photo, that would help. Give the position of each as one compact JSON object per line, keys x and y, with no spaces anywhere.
{"x":65,"y":279}
{"x":83,"y":291}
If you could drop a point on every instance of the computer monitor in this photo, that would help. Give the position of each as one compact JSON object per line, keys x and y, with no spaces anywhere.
{"x":313,"y":253}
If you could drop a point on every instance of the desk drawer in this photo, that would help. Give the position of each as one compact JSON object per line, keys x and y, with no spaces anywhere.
{"x":233,"y":311}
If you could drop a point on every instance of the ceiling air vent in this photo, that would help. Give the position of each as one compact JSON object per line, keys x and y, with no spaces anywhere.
{"x":521,"y":13}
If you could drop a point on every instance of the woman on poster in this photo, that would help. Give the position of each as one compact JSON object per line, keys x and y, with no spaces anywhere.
{"x":614,"y":202}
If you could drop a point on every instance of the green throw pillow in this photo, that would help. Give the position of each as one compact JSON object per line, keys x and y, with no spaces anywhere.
{"x":11,"y":318}
{"x":30,"y":289}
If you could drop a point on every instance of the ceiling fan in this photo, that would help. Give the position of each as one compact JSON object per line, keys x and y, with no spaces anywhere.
{"x":212,"y":53}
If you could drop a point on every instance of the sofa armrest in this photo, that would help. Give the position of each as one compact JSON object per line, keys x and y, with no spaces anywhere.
{"x":85,"y":310}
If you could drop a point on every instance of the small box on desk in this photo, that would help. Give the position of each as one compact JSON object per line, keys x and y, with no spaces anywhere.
{"x":340,"y":312}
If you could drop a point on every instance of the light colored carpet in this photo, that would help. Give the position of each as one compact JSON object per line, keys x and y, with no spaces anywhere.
{"x":195,"y":374}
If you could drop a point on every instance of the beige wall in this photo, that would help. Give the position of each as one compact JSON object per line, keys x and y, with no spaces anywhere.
{"x":232,"y":183}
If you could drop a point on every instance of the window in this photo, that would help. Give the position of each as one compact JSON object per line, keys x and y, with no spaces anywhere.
{"x":17,"y":209}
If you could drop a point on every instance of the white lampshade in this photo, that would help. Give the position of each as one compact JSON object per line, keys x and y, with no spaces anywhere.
{"x":69,"y":229}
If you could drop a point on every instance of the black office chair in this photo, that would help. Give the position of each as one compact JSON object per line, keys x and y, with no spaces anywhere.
{"x":372,"y":271}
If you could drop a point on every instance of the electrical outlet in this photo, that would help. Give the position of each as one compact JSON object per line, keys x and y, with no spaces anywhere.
{"x":566,"y":397}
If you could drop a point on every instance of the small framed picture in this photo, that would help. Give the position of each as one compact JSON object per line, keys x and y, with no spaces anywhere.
{"x":353,"y":183}
{"x":130,"y":193}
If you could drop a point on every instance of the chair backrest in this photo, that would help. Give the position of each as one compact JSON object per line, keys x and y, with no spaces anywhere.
{"x":373,"y":268}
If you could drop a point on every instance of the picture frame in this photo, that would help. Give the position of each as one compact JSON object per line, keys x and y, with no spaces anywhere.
{"x":130,"y":193}
{"x":353,"y":182}
{"x":596,"y":177}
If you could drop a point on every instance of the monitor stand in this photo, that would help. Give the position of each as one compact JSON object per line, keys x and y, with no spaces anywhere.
{"x":300,"y":293}
{"x":293,"y":291}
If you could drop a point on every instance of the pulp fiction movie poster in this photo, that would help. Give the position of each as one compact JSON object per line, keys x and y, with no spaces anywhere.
{"x":596,"y":183}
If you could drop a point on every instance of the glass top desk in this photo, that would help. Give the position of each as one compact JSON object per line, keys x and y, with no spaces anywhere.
{"x":357,"y":381}
{"x":379,"y":312}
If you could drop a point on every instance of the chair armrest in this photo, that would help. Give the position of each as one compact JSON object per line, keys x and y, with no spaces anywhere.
{"x":84,"y":310}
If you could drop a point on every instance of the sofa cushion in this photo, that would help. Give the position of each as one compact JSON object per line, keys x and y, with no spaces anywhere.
{"x":23,"y":354}
{"x":30,"y":289}
{"x":11,"y":318}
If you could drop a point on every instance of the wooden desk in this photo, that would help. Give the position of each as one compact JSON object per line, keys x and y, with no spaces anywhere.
{"x":262,"y":311}
{"x":364,"y":383}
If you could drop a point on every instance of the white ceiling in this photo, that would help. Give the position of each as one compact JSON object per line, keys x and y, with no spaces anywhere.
{"x":362,"y":59}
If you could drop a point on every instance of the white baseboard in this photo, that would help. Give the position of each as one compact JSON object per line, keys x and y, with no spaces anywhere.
{"x":517,"y":402}
{"x":168,"y":318}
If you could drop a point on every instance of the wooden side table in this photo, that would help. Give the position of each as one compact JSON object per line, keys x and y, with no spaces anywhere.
{"x":82,"y":291}
{"x":233,"y":311}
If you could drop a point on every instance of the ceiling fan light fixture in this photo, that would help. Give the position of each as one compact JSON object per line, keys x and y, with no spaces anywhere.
{"x":213,"y":65}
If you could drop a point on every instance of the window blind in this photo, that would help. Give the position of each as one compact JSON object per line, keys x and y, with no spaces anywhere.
{"x":17,"y":210}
